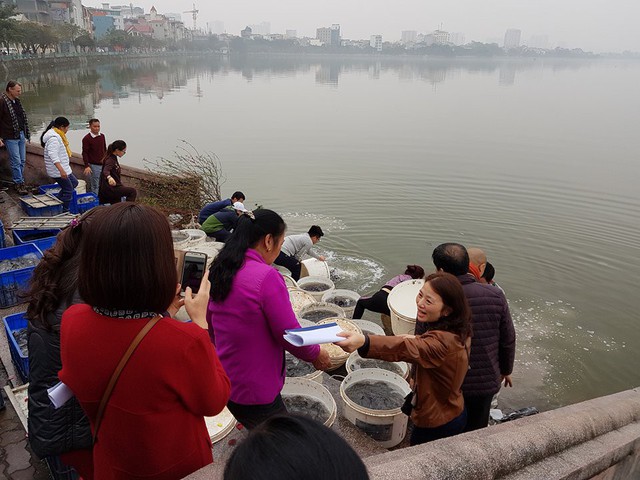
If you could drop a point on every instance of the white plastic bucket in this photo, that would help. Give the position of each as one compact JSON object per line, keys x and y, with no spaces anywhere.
{"x":335,"y":310}
{"x":196,"y":236}
{"x":315,"y":268}
{"x":369,"y":327}
{"x":338,"y":292}
{"x":299,"y":299}
{"x":316,"y":375}
{"x":387,"y":427}
{"x":403,"y":368}
{"x":221,"y":425}
{"x":338,"y":356}
{"x":402,"y":304}
{"x":210,"y":248}
{"x":180,"y":239}
{"x":309,"y":388}
{"x":326,"y":282}
{"x":289,"y":281}
{"x":82,"y":186}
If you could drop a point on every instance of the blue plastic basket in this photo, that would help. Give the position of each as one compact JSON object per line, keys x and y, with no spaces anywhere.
{"x":2,"y":242}
{"x":44,"y":211}
{"x":21,"y":237}
{"x":80,"y":204}
{"x":14,"y":323}
{"x":13,"y":283}
{"x":51,"y":188}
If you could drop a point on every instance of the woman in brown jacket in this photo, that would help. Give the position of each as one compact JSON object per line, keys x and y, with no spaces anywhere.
{"x":441,"y":357}
{"x":111,"y":189}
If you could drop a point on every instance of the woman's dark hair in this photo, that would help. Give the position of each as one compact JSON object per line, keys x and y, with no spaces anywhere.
{"x":54,"y":280}
{"x":458,"y":321}
{"x":489,"y":272}
{"x":117,"y":145}
{"x":293,"y":447}
{"x":127,"y":262}
{"x":246,"y":235}
{"x":416,"y":271}
{"x":59,"y":122}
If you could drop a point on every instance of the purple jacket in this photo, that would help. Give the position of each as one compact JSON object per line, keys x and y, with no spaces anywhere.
{"x":248,"y":327}
{"x":493,"y":345}
{"x":398,"y":279}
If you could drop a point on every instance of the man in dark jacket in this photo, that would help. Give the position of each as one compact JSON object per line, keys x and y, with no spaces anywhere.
{"x":493,"y":344}
{"x":14,"y":132}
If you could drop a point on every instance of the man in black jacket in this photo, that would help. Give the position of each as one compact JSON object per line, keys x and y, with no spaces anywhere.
{"x":14,"y":132}
{"x":493,"y":343}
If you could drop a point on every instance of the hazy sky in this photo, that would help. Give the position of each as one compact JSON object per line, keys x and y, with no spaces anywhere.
{"x":597,"y":25}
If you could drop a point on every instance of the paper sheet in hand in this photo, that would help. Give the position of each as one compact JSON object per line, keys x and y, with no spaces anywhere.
{"x":313,"y":335}
{"x":59,"y":394}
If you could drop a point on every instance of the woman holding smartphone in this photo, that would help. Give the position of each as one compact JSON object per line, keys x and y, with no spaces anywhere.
{"x":152,"y":425}
{"x":441,"y":357}
{"x":248,"y":313}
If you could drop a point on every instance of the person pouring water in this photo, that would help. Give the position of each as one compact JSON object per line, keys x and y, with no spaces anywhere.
{"x":295,"y":247}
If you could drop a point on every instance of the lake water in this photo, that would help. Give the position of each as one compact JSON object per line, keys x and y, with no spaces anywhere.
{"x":534,"y":161}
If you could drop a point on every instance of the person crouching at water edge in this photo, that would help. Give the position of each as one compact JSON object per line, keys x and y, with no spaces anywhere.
{"x":151,"y":424}
{"x":56,"y":159}
{"x":295,"y":247}
{"x":248,"y":313}
{"x":441,"y":357}
{"x":221,"y":224}
{"x":111,"y":188}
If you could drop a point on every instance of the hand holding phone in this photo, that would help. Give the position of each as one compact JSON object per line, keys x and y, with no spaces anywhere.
{"x":196,"y":305}
{"x":193,"y":269}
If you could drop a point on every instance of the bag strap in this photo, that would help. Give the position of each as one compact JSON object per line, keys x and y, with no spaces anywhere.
{"x":116,"y":373}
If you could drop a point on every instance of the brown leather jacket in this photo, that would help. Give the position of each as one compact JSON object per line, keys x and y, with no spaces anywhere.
{"x":442,"y":362}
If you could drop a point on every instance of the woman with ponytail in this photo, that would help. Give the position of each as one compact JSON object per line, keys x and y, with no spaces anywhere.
{"x":56,"y":158}
{"x":62,"y":436}
{"x":249,"y":310}
{"x":111,"y":189}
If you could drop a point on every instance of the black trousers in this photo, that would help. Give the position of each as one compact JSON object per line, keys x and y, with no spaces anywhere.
{"x":424,"y":435}
{"x":375,"y":303}
{"x":290,"y":263}
{"x":477,"y":411}
{"x":253,"y":415}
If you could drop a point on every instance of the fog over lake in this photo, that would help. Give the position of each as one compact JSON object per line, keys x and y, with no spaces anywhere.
{"x":535,"y":161}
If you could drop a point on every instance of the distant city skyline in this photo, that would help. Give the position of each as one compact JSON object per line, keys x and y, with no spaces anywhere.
{"x":595,"y":25}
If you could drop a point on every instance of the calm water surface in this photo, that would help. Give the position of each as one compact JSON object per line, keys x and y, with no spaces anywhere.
{"x":534,"y":161}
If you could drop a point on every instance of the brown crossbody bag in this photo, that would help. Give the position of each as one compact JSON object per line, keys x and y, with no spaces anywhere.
{"x":116,"y":373}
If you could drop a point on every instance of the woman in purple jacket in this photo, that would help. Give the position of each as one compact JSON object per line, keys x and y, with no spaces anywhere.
{"x":378,"y":301}
{"x":249,"y":310}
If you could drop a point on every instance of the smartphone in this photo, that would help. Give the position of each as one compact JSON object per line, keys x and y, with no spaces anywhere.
{"x":193,"y":269}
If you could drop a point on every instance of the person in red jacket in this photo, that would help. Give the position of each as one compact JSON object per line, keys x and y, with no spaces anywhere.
{"x":153,"y":425}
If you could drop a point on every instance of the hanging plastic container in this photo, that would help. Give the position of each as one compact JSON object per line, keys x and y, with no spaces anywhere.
{"x":321,"y":310}
{"x":356,"y":362}
{"x":369,"y":327}
{"x":337,"y":356}
{"x":299,"y":299}
{"x":308,"y":388}
{"x":346,"y":299}
{"x":312,"y":267}
{"x":387,"y":427}
{"x":221,"y":425}
{"x":316,"y":286}
{"x":402,"y":304}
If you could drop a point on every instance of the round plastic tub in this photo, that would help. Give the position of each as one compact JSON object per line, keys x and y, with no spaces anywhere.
{"x":402,"y":304}
{"x":325,"y":283}
{"x":309,"y":388}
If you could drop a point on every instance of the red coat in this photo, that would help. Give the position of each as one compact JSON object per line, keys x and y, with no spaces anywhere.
{"x":153,"y":426}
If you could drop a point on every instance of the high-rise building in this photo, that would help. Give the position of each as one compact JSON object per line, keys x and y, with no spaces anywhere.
{"x":329,"y":36}
{"x":335,"y":35}
{"x":512,"y":38}
{"x":409,"y":36}
{"x":376,"y":42}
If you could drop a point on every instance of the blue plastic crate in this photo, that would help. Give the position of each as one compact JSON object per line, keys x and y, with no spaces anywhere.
{"x":51,"y":188}
{"x":15,"y":323}
{"x":13,"y":283}
{"x":2,"y":242}
{"x":40,"y":211}
{"x":44,"y":238}
{"x":81,"y":204}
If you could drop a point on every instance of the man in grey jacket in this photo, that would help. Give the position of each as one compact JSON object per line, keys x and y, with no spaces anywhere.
{"x":295,"y":247}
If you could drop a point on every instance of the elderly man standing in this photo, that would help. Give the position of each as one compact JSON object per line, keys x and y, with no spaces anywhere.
{"x":493,"y":344}
{"x":14,"y":132}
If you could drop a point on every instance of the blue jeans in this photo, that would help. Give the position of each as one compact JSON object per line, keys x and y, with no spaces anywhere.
{"x":17,"y":157}
{"x":454,"y":427}
{"x":94,"y":181}
{"x":66,"y":193}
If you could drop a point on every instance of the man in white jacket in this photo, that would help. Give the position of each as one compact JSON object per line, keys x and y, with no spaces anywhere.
{"x":295,"y":247}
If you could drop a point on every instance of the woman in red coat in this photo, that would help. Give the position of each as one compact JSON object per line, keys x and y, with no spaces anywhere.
{"x":153,"y":424}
